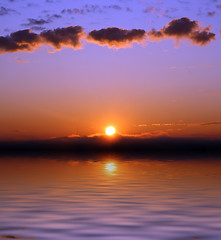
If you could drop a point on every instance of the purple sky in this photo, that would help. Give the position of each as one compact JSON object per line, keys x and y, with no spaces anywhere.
{"x":139,"y":84}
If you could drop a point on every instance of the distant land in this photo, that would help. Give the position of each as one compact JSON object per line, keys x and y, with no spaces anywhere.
{"x":131,"y":146}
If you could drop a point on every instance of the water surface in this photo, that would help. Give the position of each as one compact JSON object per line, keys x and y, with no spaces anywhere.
{"x":110,"y":198}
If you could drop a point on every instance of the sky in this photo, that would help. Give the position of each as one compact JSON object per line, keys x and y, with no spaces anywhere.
{"x":74,"y":67}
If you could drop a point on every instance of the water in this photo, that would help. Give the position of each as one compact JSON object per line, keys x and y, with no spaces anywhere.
{"x":110,"y":199}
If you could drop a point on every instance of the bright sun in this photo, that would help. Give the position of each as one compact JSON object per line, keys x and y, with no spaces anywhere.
{"x":110,"y":131}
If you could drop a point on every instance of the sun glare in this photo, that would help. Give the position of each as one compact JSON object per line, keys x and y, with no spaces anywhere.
{"x":110,"y":167}
{"x":110,"y":131}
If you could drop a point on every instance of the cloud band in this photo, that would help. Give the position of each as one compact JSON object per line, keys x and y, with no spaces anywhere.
{"x":72,"y":36}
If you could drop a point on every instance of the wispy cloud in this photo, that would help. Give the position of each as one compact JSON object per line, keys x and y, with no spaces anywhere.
{"x":6,"y":11}
{"x":186,"y":124}
{"x":20,"y":60}
{"x":91,"y":8}
{"x":211,"y":14}
{"x":211,"y":123}
{"x":32,"y":21}
{"x":151,"y":9}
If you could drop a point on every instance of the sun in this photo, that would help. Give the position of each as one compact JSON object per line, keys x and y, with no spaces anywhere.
{"x":110,"y":131}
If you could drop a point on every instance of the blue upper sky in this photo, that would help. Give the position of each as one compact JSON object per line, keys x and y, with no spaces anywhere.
{"x":95,"y":14}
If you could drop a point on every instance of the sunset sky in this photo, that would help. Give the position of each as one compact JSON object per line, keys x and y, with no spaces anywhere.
{"x":149,"y":68}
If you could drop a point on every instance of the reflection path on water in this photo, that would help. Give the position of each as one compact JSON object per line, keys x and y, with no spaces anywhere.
{"x":110,"y":199}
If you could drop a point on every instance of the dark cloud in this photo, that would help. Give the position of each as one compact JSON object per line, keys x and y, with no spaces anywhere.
{"x":54,"y":16}
{"x":218,"y":6}
{"x":184,"y":28}
{"x":32,"y":22}
{"x":116,"y":37}
{"x":211,"y":14}
{"x":89,"y":8}
{"x":116,"y":7}
{"x":180,"y":27}
{"x":73,"y":11}
{"x":69,"y":37}
{"x":85,"y":9}
{"x":6,"y":11}
{"x":39,"y":22}
{"x":202,"y":37}
{"x":155,"y":34}
{"x":25,"y":40}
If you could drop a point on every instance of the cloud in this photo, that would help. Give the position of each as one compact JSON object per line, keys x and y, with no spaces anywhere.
{"x":25,"y":40}
{"x":54,"y":16}
{"x":115,"y":7}
{"x":168,"y":124}
{"x":142,"y":125}
{"x":68,"y":37}
{"x":183,"y":28}
{"x":113,"y":37}
{"x":19,"y":60}
{"x":87,"y":8}
{"x":6,"y":11}
{"x":32,"y":21}
{"x":116,"y":37}
{"x":211,"y":123}
{"x":73,"y":11}
{"x":90,"y":8}
{"x":211,"y":14}
{"x":187,"y":124}
{"x":202,"y":37}
{"x":150,"y":9}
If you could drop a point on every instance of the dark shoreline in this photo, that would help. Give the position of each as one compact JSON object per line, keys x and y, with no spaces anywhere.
{"x":125,"y":146}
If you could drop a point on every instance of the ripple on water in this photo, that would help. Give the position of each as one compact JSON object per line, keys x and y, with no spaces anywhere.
{"x":142,"y":200}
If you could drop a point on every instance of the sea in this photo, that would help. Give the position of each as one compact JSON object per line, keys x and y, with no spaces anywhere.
{"x":110,"y":197}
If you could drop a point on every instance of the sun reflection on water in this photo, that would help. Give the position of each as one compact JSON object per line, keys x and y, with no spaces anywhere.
{"x":110,"y":167}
